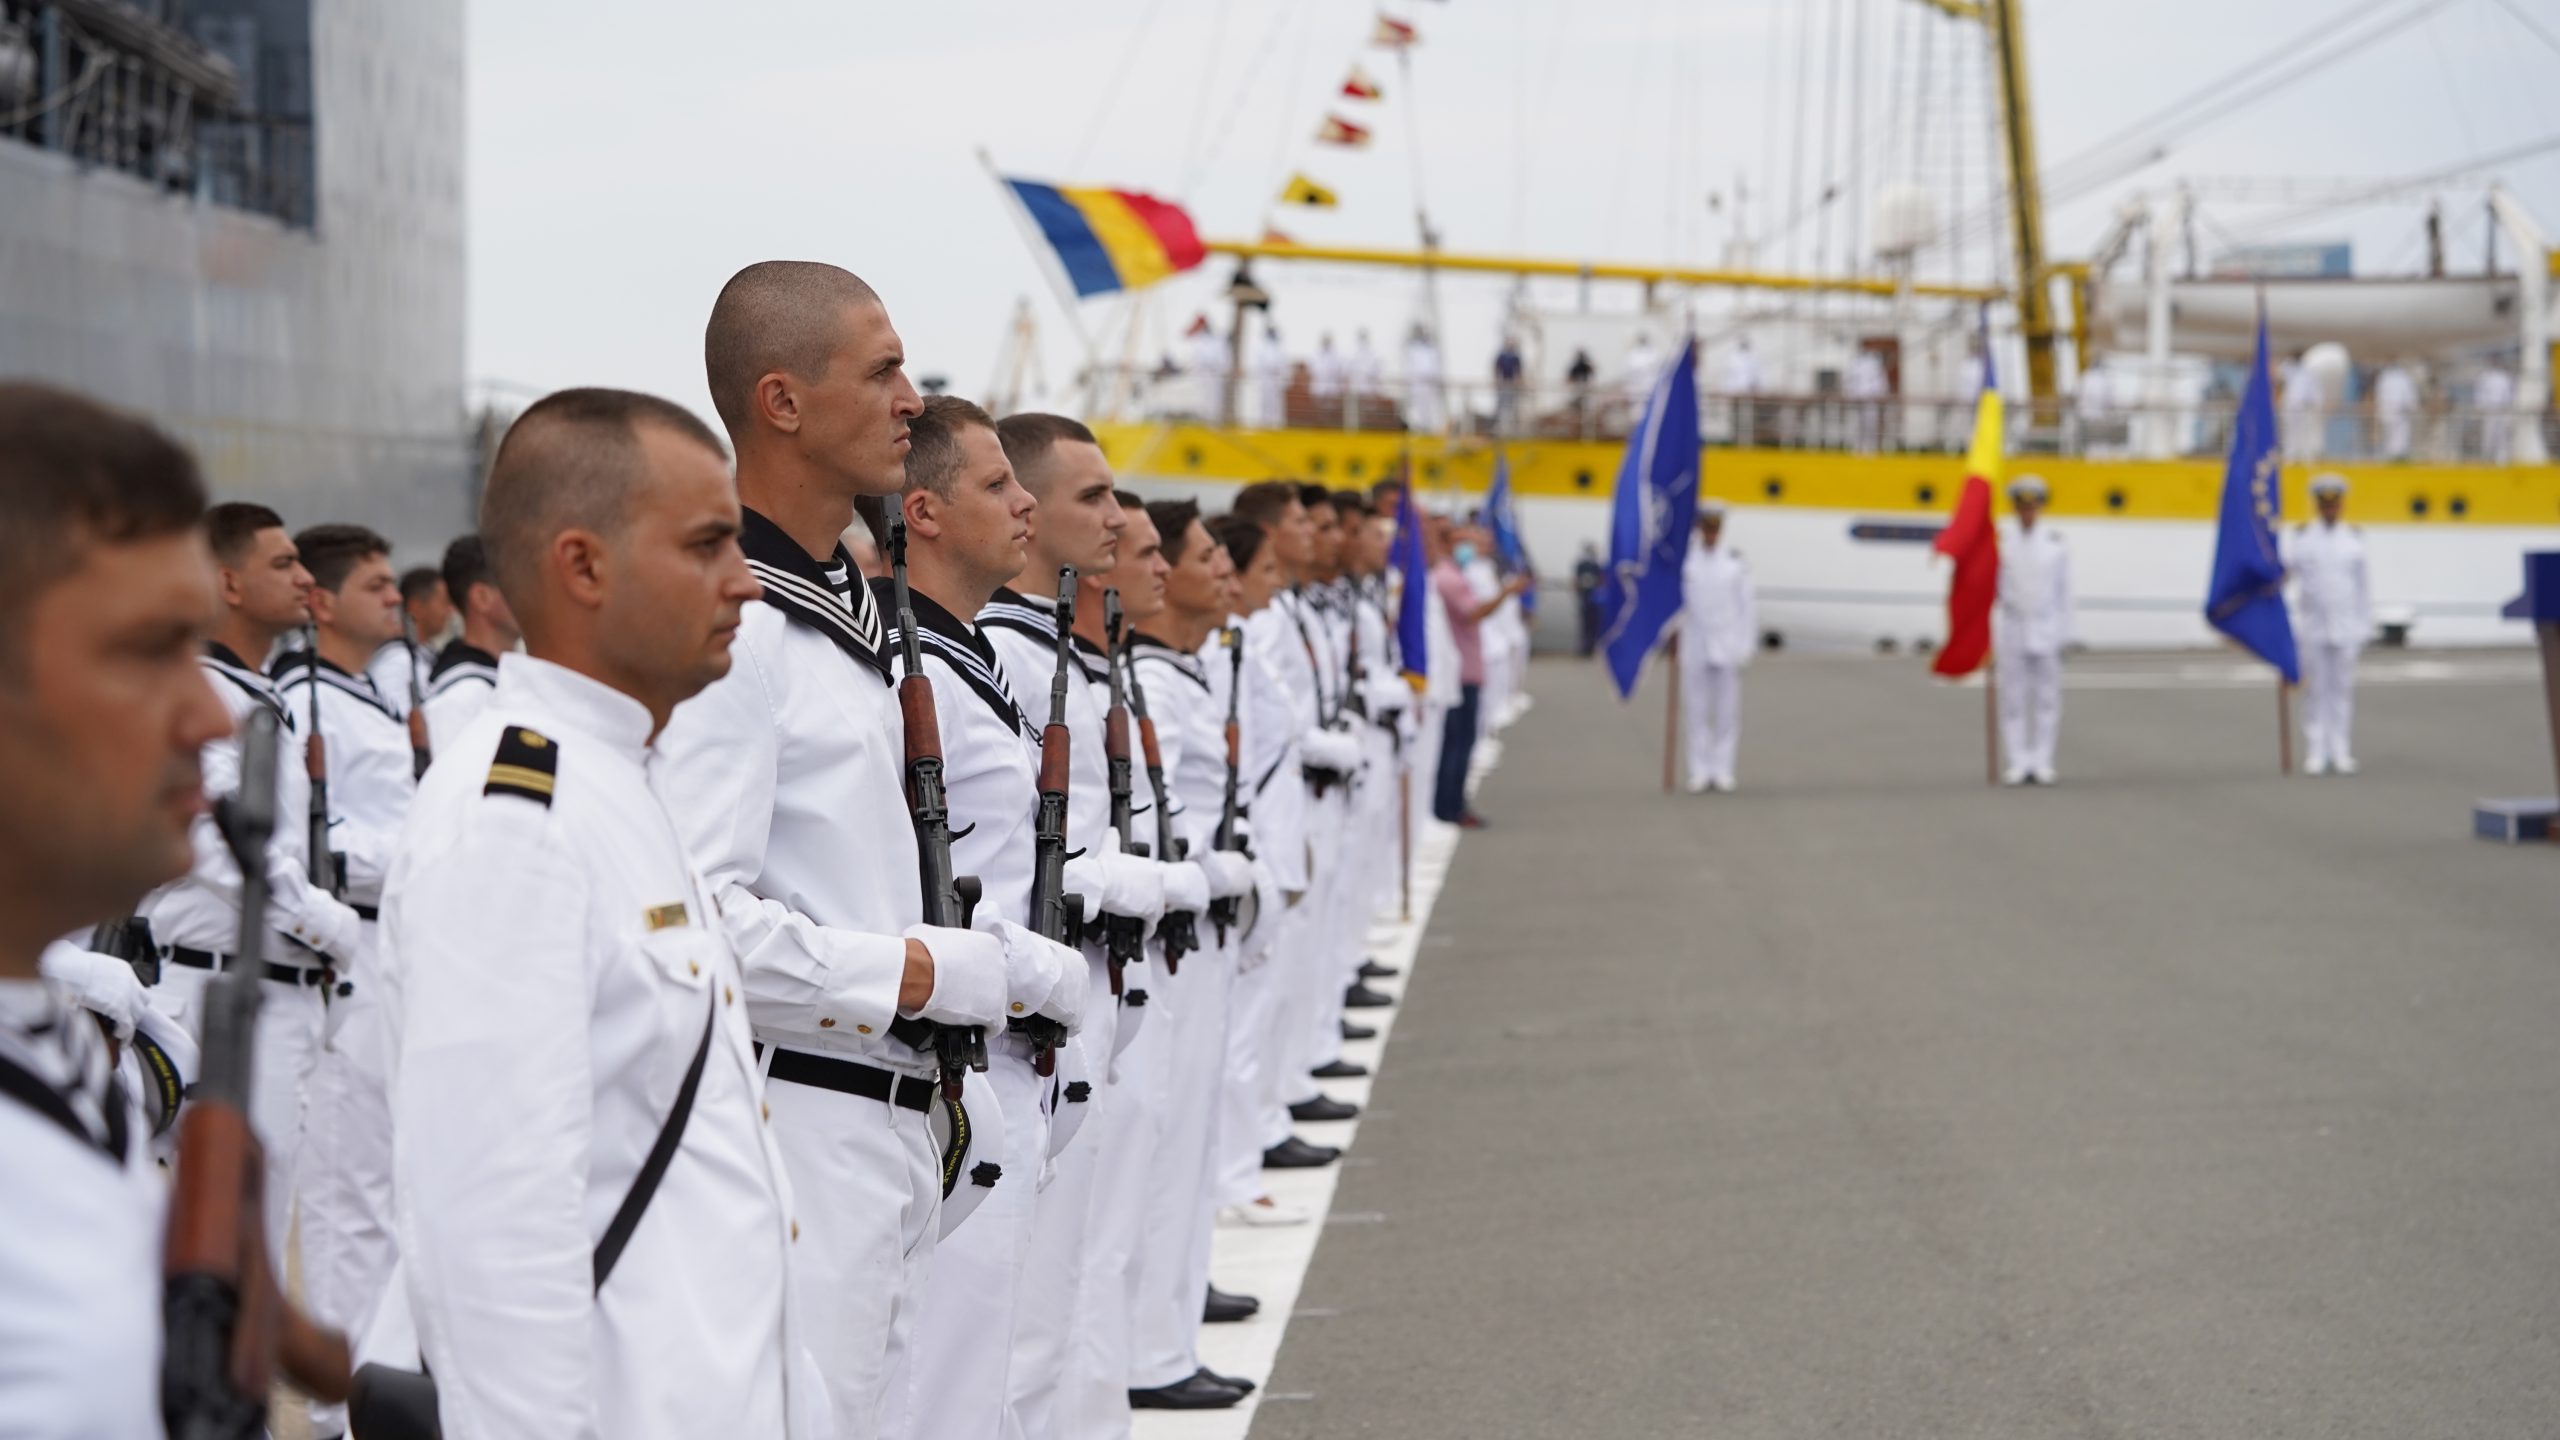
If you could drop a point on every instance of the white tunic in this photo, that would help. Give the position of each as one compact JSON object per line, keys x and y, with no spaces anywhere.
{"x":990,"y":762}
{"x":464,"y":675}
{"x":557,"y":962}
{"x":81,"y":1218}
{"x":371,"y":770}
{"x":2035,"y":591}
{"x":2332,"y":604}
{"x":1718,"y":621}
{"x":394,"y":668}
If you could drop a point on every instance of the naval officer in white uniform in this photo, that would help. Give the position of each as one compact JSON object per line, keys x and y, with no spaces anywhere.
{"x":1719,"y":628}
{"x":2332,"y":615}
{"x":105,"y":589}
{"x":541,"y":866}
{"x":2033,"y":626}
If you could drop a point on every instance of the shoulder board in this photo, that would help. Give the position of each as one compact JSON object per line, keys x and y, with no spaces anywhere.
{"x":526,"y":766}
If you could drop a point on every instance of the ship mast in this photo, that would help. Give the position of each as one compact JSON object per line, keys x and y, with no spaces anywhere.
{"x":2026,"y":196}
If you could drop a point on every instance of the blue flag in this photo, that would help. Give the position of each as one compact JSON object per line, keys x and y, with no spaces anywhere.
{"x":1504,"y":522}
{"x":2246,"y":601}
{"x":1652,"y":512}
{"x":1404,"y":556}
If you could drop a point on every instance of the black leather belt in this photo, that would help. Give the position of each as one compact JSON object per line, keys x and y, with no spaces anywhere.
{"x":366,"y":912}
{"x":848,"y":1077}
{"x":281,"y":974}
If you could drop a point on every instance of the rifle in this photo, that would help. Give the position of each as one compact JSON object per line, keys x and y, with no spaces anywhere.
{"x":948,"y":898}
{"x":1124,"y":937}
{"x":1056,"y":914}
{"x":228,"y":1328}
{"x":1222,"y":912}
{"x":1176,"y":930}
{"x":320,"y":863}
{"x":419,"y":754}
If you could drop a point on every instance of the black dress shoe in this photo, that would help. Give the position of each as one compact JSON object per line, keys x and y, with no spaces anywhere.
{"x":1361,"y":997}
{"x":1372,"y":970}
{"x":1296,"y":1154}
{"x":1232,"y":1382}
{"x":1226,"y":1309}
{"x":1192,"y":1392}
{"x":1339,"y":1070}
{"x":1358,"y":1032}
{"x":1324,"y":1107}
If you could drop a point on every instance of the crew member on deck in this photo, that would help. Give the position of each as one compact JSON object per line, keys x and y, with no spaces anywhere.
{"x":2033,"y":626}
{"x":2332,"y":615}
{"x":1718,"y":631}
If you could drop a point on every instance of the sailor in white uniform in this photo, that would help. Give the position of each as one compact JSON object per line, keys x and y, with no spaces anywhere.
{"x":467,"y":668}
{"x":561,"y":1283}
{"x":2493,"y":396}
{"x":99,"y":785}
{"x":788,"y":778}
{"x":1426,"y":408}
{"x":1270,"y":373}
{"x":1211,"y":363}
{"x":968,"y":525}
{"x":2304,"y":403}
{"x":1867,"y":387}
{"x":196,"y":919}
{"x":2395,"y":409}
{"x":345,"y":1187}
{"x":2032,"y":626}
{"x":1365,"y":373}
{"x":1719,"y":630}
{"x":2332,"y":615}
{"x":399,"y":666}
{"x":1056,"y":1384}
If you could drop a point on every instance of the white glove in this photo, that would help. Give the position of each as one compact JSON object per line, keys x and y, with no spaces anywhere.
{"x":1186,"y":886}
{"x":1228,"y":871}
{"x":1389,"y":696}
{"x":1117,"y":884}
{"x":969,"y":976}
{"x":1042,"y":977}
{"x":1329,"y":750}
{"x":100,"y":983}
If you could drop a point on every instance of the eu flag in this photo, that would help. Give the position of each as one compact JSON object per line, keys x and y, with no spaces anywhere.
{"x":2246,"y":601}
{"x":1504,"y":521}
{"x":1413,"y":577}
{"x":1652,"y":512}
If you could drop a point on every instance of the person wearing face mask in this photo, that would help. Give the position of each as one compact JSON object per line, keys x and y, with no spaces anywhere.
{"x":1468,"y":609}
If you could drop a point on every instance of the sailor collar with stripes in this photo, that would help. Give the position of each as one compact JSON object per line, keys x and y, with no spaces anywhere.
{"x":289,"y":668}
{"x":959,"y":644}
{"x":796,"y":584}
{"x":460,"y":663}
{"x":1143,"y":646}
{"x":1037,"y":616}
{"x":221,"y":660}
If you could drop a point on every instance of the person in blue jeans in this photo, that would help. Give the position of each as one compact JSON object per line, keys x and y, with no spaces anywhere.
{"x":1467,"y":613}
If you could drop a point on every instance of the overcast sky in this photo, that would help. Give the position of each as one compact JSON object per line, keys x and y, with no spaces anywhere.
{"x":625,"y":160}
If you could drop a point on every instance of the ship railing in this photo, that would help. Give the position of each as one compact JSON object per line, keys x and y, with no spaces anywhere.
{"x":2441,"y":433}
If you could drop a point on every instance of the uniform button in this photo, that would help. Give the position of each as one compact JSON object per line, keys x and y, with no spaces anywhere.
{"x":694,"y":966}
{"x":827,"y":1024}
{"x":1017,"y":1007}
{"x":728,"y":996}
{"x":795,"y":1231}
{"x":768,"y":1114}
{"x":862,"y":1029}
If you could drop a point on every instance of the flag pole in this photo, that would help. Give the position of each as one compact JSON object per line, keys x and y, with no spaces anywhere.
{"x":2284,"y":725}
{"x":1671,"y":714}
{"x":1990,"y":723}
{"x":1404,"y":841}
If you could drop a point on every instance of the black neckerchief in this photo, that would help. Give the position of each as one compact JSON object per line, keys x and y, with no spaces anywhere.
{"x":1145,"y":646}
{"x":795,"y":583}
{"x":222,"y":660}
{"x":965,"y":649}
{"x":1306,"y":637}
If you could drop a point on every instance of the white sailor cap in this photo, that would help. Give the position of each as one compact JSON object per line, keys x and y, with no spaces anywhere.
{"x":2329,"y":483}
{"x":968,"y":1140}
{"x":1711,"y":509}
{"x":2027,"y":487}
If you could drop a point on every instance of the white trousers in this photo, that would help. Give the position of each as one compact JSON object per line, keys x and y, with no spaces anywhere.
{"x":2395,"y":437}
{"x":963,"y":1344}
{"x":1045,"y":1314}
{"x":1330,"y":962}
{"x":348,"y":1243}
{"x":1173,"y":1258}
{"x":1252,"y":1003}
{"x":291,"y":1019}
{"x":1124,"y":1136}
{"x":2328,"y":702}
{"x":870,"y":1188}
{"x":2030,"y":708}
{"x":1710,"y":718}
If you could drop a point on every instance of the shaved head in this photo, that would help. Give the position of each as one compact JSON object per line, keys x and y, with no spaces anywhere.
{"x":775,"y":316}
{"x":572,"y":461}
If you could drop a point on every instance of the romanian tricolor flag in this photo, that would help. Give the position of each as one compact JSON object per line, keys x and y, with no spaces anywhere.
{"x":1337,"y":131}
{"x":1110,"y":239}
{"x":1361,"y":87}
{"x":1974,"y":545}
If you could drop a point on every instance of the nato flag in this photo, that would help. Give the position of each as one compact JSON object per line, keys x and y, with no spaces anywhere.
{"x":1653,"y":511}
{"x":1503,"y":518}
{"x":2246,"y":601}
{"x":1413,"y":588}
